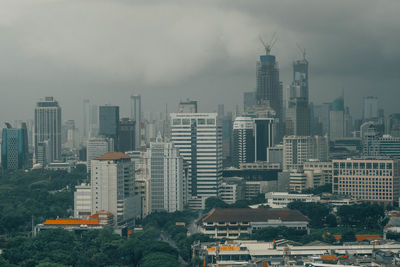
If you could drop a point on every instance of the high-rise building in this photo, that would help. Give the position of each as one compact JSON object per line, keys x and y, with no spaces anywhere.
{"x":370,"y":108}
{"x":321,"y":113}
{"x":126,"y":135}
{"x":86,"y":112}
{"x":298,"y":116}
{"x":299,"y":149}
{"x":136,"y":115}
{"x":14,"y":147}
{"x":48,"y":127}
{"x":298,"y":120}
{"x":93,"y":121}
{"x":96,"y":147}
{"x":243,"y":141}
{"x":113,"y":186}
{"x":188,"y":106}
{"x":198,"y":136}
{"x":249,"y":100}
{"x":109,"y":123}
{"x":336,"y":119}
{"x":264,"y":137}
{"x":374,"y":180}
{"x":392,"y":126}
{"x":227,"y":146}
{"x":269,"y":88}
{"x":166,"y":176}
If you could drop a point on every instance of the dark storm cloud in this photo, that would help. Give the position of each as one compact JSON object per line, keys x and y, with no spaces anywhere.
{"x":206,"y":50}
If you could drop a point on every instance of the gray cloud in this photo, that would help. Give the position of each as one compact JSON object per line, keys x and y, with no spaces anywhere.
{"x":171,"y":50}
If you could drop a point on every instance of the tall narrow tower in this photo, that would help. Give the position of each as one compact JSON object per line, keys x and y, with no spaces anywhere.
{"x":269,"y":88}
{"x":136,"y":115}
{"x":298,"y":116}
{"x":48,"y":127}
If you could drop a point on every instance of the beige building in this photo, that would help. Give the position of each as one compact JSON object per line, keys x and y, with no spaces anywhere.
{"x":367,"y":179}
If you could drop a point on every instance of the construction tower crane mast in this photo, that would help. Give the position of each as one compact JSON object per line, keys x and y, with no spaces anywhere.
{"x":302,"y":51}
{"x":268,"y":46}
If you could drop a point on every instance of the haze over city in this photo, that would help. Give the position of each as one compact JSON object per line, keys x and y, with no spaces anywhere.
{"x":199,"y":133}
{"x":205,"y":50}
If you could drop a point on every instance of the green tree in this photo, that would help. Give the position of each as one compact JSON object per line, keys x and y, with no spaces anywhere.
{"x":316,"y":212}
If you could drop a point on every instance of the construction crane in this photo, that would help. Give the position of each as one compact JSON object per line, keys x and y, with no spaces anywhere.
{"x":302,"y":51}
{"x":268,"y":46}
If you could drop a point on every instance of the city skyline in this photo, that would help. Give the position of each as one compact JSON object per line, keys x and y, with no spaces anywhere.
{"x":219,"y":60}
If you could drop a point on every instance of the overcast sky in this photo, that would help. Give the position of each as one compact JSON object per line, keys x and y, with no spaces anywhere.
{"x":205,"y":50}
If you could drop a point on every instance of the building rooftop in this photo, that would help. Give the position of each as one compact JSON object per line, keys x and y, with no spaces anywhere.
{"x":252,"y":215}
{"x":71,"y":222}
{"x":113,"y":156}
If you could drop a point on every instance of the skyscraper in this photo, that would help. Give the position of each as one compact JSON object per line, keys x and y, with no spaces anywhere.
{"x":86,"y":112}
{"x":370,"y":108}
{"x":126,"y":135}
{"x":336,"y":119}
{"x":166,"y":176}
{"x":298,"y":119}
{"x":48,"y":127}
{"x":249,"y":100}
{"x":109,"y":123}
{"x":136,"y":115}
{"x":264,"y":137}
{"x":269,"y":88}
{"x":198,"y":136}
{"x":14,"y":147}
{"x":243,"y":141}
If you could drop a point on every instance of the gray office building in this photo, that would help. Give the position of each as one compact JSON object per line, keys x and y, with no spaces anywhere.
{"x":136,"y":115}
{"x":48,"y":127}
{"x":109,"y":123}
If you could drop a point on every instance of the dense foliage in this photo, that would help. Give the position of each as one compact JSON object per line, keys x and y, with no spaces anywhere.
{"x":39,"y":193}
{"x":368,"y":216}
{"x":273,"y":233}
{"x":92,"y":248}
{"x":318,"y":213}
{"x":176,"y":235}
{"x":214,"y":202}
{"x":326,"y":188}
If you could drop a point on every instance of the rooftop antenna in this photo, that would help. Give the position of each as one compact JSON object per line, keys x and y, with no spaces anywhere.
{"x":302,"y":51}
{"x":268,"y":46}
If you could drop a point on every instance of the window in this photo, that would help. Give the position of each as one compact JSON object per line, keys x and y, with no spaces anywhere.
{"x":176,"y":121}
{"x":210,"y":121}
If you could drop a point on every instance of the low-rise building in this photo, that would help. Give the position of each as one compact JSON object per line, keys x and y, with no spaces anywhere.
{"x":82,"y":201}
{"x":282,"y":199}
{"x":69,"y":224}
{"x":232,"y":189}
{"x":231,"y":223}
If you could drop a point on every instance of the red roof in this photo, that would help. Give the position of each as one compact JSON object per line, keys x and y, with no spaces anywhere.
{"x":113,"y":156}
{"x":71,"y":222}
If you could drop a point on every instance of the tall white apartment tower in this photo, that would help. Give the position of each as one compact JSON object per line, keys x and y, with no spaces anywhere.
{"x":166,"y":176}
{"x":48,"y":127}
{"x":198,"y":136}
{"x":113,"y":186}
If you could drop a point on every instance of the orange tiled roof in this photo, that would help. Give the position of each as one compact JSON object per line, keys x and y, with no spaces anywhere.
{"x":329,"y":257}
{"x":368,"y":237}
{"x":360,"y":238}
{"x":113,"y":156}
{"x":71,"y":222}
